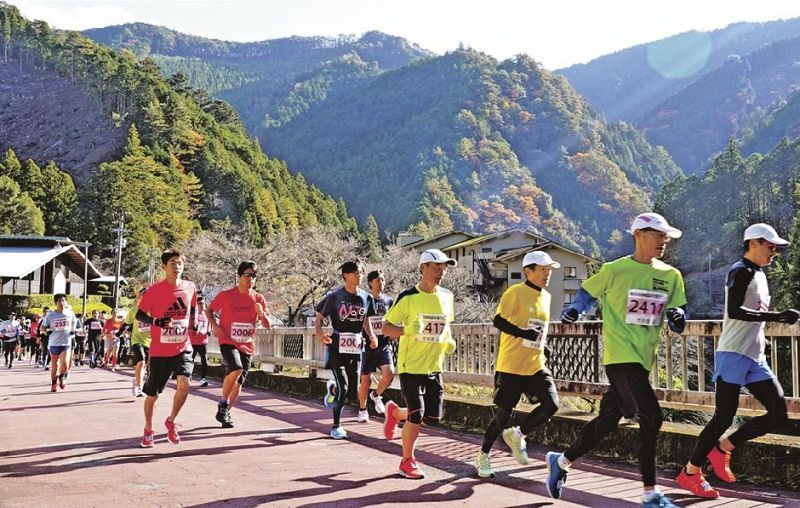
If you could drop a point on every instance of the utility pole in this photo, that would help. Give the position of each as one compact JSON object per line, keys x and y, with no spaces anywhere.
{"x":710,"y":292}
{"x":85,"y":277}
{"x":120,"y":243}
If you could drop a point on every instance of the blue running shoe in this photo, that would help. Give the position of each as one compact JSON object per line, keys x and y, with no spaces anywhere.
{"x":556,"y":475}
{"x":330,"y":395}
{"x":338,"y":432}
{"x":659,"y":500}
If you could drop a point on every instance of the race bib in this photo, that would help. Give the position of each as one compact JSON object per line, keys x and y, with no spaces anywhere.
{"x":242,"y":332}
{"x":202,"y":327}
{"x":350,"y":343}
{"x":142,"y":326}
{"x":376,"y":325}
{"x":61,"y":325}
{"x":177,"y":333}
{"x":541,"y":328}
{"x":96,"y":325}
{"x":431,"y":328}
{"x":645,"y":308}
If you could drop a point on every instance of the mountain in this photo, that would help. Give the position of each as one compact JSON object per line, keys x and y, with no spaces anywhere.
{"x":782,"y":121}
{"x":696,"y":122}
{"x":170,"y":157}
{"x":626,"y":84}
{"x":466,"y":141}
{"x":256,"y":78}
{"x":692,"y":92}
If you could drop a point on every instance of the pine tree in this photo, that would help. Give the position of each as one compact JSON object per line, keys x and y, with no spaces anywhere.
{"x":19,"y":214}
{"x":32,"y":181}
{"x":60,"y":203}
{"x":372,"y":239}
{"x":12,"y":166}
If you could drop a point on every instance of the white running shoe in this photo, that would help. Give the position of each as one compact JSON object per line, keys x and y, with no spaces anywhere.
{"x":363,"y":416}
{"x":378,"y":401}
{"x":483,"y":465}
{"x":135,"y":389}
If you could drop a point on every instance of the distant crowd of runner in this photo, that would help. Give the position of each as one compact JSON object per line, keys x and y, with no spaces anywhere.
{"x":169,"y":324}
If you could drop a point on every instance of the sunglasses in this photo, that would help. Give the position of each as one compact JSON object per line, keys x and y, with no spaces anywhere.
{"x":771,"y":246}
{"x":249,"y":274}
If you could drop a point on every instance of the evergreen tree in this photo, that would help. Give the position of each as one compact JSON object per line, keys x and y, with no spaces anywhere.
{"x":60,"y":203}
{"x":19,"y":214}
{"x":32,"y":181}
{"x":372,"y":240}
{"x":12,"y":167}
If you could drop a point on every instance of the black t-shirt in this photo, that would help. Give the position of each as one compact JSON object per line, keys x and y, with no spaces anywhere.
{"x":94,"y":332}
{"x":347,"y":312}
{"x":382,"y":305}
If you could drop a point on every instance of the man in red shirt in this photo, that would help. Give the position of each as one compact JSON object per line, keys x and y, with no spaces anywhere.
{"x":169,"y":307}
{"x":239,"y":309}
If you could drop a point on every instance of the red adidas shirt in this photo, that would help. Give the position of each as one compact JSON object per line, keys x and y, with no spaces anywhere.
{"x":163,"y":300}
{"x":237,"y":318}
{"x":199,"y":337}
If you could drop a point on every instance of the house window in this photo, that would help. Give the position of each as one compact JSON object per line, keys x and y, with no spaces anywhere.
{"x":516,"y":275}
{"x":486,"y":249}
{"x":570,"y":272}
{"x":569,"y":296}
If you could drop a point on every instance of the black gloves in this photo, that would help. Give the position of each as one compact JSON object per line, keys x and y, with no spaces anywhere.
{"x":788,"y":316}
{"x":676,"y":319}
{"x":570,"y":315}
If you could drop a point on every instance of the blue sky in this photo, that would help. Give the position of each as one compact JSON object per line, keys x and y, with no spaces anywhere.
{"x":557,"y":33}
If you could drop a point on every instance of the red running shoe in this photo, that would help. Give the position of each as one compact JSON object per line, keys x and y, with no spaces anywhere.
{"x":53,"y":387}
{"x":390,"y":423}
{"x":62,"y":384}
{"x":721,"y":464}
{"x":148,"y":439}
{"x":172,"y":432}
{"x":696,"y":484}
{"x":409,"y":468}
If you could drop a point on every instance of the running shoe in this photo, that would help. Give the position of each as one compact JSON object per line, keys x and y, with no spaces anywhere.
{"x":483,"y":465}
{"x":172,"y":432}
{"x":113,"y":369}
{"x":62,"y":384}
{"x":390,"y":422}
{"x":139,"y":392}
{"x":228,"y":423}
{"x":516,"y":441}
{"x":53,"y":387}
{"x":363,"y":416}
{"x":330,"y":394}
{"x":338,"y":432}
{"x":204,"y":382}
{"x":148,"y":439}
{"x":222,"y":413}
{"x":135,"y":389}
{"x":378,"y":401}
{"x":556,"y":475}
{"x":721,"y":464}
{"x":659,"y":500}
{"x":410,"y":469}
{"x":696,"y":484}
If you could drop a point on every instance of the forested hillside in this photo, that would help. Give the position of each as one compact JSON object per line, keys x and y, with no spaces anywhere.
{"x":466,"y":141}
{"x":257,"y":78}
{"x":185,"y":161}
{"x":691,"y":92}
{"x":714,"y":209}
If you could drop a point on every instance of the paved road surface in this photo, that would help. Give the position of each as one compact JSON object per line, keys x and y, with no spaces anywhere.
{"x":79,"y":448}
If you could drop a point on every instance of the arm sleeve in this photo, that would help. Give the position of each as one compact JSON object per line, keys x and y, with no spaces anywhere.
{"x":583,"y":302}
{"x":504,"y":325}
{"x":738,"y":281}
{"x":143,"y":317}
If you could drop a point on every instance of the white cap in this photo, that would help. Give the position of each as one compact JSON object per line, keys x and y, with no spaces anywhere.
{"x":766,"y":232}
{"x":541,"y":258}
{"x":436,"y":256}
{"x":654,"y":221}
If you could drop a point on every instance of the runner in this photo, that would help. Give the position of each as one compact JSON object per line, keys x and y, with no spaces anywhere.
{"x":140,"y":343}
{"x":80,"y":343}
{"x":522,"y":318}
{"x":169,"y":307}
{"x":94,"y":329}
{"x":239,"y":309}
{"x":37,"y":319}
{"x":636,"y":292}
{"x":198,"y":334}
{"x":740,"y":361}
{"x":348,"y":308}
{"x":44,"y":341}
{"x":60,"y":325}
{"x":421,"y":318}
{"x":111,"y":338}
{"x":29,"y":347}
{"x":379,"y":358}
{"x":10,"y":329}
